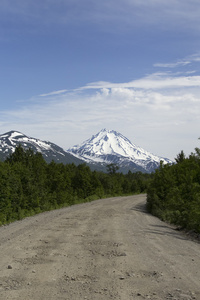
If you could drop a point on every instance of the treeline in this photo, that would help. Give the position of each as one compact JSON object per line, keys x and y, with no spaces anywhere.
{"x":28,"y":185}
{"x":174,"y":192}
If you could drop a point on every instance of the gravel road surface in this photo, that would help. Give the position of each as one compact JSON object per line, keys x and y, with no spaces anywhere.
{"x":106,"y":249}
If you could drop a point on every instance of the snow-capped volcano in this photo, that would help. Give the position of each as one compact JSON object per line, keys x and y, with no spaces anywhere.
{"x":109,"y":146}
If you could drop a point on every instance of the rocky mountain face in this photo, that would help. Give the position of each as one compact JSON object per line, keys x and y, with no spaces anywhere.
{"x":104,"y":148}
{"x":50,"y":151}
{"x":109,"y":146}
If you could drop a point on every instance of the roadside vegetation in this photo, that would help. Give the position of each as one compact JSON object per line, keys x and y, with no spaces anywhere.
{"x":174,"y":192}
{"x":29,"y":185}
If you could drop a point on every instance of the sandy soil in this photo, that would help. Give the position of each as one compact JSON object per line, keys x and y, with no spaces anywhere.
{"x":107,"y":249}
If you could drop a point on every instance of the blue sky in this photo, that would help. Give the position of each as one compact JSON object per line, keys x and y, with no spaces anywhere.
{"x":69,"y":68}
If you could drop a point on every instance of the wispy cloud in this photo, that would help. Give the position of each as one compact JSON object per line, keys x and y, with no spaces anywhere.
{"x":180,"y":63}
{"x":152,"y":81}
{"x":172,"y":65}
{"x":53,"y":93}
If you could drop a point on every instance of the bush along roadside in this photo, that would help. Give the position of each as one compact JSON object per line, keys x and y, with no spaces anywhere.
{"x":173,"y":194}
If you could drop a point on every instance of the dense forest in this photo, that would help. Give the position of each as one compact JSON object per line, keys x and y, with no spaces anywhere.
{"x":174,"y":192}
{"x":29,"y":185}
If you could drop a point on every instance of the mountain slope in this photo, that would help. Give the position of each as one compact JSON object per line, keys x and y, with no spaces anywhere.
{"x":109,"y":146}
{"x":50,"y":151}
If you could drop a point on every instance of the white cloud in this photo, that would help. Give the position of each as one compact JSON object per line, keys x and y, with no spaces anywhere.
{"x":153,"y":81}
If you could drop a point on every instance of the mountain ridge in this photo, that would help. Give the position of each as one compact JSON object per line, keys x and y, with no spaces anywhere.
{"x":50,"y":151}
{"x":105,"y":147}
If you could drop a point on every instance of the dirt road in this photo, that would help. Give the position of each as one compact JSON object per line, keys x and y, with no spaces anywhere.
{"x":106,"y":249}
